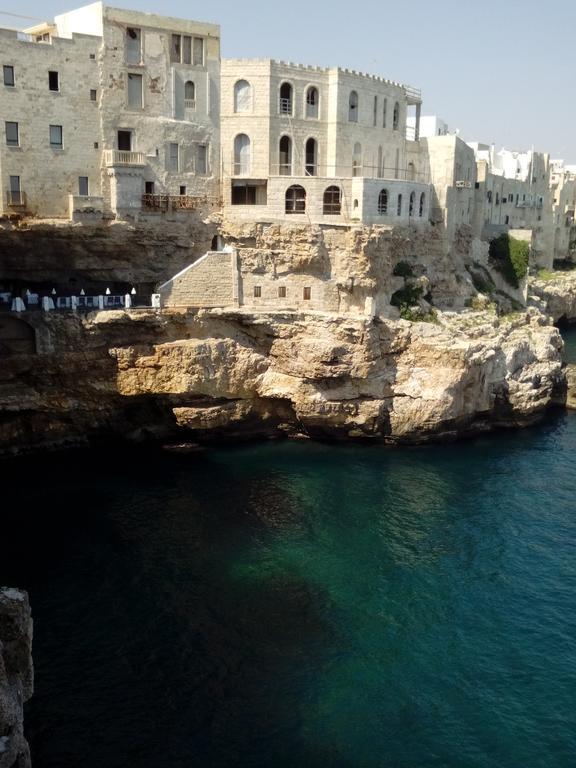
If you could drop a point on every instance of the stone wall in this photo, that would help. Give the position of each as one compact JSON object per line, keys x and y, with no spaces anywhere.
{"x":209,"y":282}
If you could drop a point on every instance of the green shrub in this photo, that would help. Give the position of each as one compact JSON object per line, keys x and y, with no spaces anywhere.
{"x":403,"y":269}
{"x":418,"y":316}
{"x":509,"y":256}
{"x":407,"y":296}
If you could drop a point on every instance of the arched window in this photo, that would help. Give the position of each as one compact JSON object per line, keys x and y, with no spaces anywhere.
{"x":357,"y":160}
{"x":311,"y":160}
{"x":383,"y":202}
{"x":399,"y":208}
{"x":411,"y":204}
{"x":422,"y":204}
{"x":332,"y":201}
{"x":396,"y":117}
{"x":241,"y":155}
{"x":380,"y":164}
{"x":295,"y":199}
{"x":285,"y":104}
{"x":353,"y":107}
{"x":242,"y":96}
{"x":312,"y":101}
{"x":189,"y":95}
{"x":285,"y":156}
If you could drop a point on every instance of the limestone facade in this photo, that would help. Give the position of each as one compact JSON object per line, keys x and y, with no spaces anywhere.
{"x":134,"y":102}
{"x":324,"y":146}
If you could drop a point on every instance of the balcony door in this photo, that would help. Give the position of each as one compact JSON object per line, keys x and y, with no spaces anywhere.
{"x":125,"y":141}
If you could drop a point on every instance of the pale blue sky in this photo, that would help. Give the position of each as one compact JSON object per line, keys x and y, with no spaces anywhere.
{"x":500,"y":70}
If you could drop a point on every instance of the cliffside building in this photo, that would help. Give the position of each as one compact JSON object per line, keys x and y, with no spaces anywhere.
{"x":109,"y":112}
{"x":306,"y":144}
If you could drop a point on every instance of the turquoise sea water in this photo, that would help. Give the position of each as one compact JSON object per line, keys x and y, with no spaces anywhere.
{"x":299,"y":604}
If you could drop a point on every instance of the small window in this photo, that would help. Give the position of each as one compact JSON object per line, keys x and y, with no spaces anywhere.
{"x":384,"y":111}
{"x":12,"y":139}
{"x":92,"y":55}
{"x":411,"y":203}
{"x":56,"y":136}
{"x":285,"y":104}
{"x":242,"y":96}
{"x":182,"y":189}
{"x":353,"y":107}
{"x":133,"y":45}
{"x":399,"y":208}
{"x":396,"y":117}
{"x":257,"y":291}
{"x":198,"y":52}
{"x":282,"y":292}
{"x":383,"y":202}
{"x":332,"y":202}
{"x":8,"y":75}
{"x":312,"y":100}
{"x":189,"y":95}
{"x":202,"y":159}
{"x":83,"y":186}
{"x":175,"y":49}
{"x":149,"y":187}
{"x":53,"y":83}
{"x":375,"y":110}
{"x":187,"y":49}
{"x":307,"y":293}
{"x":295,"y":199}
{"x":172,"y":159}
{"x":93,"y":94}
{"x":134,"y":91}
{"x":423,"y":203}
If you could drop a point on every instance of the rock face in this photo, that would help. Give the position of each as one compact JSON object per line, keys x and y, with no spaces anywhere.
{"x":16,"y":676}
{"x":199,"y":374}
{"x":556,"y":296}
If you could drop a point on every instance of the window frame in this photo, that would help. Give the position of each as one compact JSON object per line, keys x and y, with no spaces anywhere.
{"x":51,"y":74}
{"x":11,"y":142}
{"x":138,"y":77}
{"x":9,"y":68}
{"x":53,"y":144}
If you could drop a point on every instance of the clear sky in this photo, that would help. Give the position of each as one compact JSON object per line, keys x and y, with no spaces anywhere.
{"x":501,"y":71}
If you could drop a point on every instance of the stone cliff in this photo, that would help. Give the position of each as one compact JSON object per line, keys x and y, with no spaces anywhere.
{"x":16,"y":676}
{"x":191,"y":375}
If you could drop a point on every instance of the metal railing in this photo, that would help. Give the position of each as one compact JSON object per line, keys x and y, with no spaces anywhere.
{"x":123,"y":157}
{"x":16,"y":199}
{"x":285,"y":106}
{"x":189,"y":103}
{"x":170,"y":202}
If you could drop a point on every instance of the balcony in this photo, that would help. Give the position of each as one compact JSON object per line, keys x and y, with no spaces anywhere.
{"x":16,"y":199}
{"x":189,"y":103}
{"x":169,"y":202}
{"x":113,"y":157}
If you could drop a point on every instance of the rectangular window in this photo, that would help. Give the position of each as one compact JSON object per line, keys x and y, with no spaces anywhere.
{"x":282,"y":292}
{"x":8,"y":75}
{"x":182,"y":189}
{"x":56,"y":136}
{"x":12,"y":134}
{"x":172,"y":159}
{"x":93,"y":94}
{"x":198,"y":52}
{"x":257,"y":291}
{"x":375,"y":110}
{"x":15,"y":184}
{"x":201,"y":158}
{"x":53,"y":84}
{"x":149,"y":187}
{"x":187,"y":50}
{"x":83,"y":186}
{"x":125,"y":141}
{"x":134,"y":91}
{"x":307,"y":294}
{"x":133,"y":45}
{"x":175,"y":49}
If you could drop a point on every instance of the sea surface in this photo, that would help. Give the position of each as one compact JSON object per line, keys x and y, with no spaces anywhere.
{"x":296,"y":604}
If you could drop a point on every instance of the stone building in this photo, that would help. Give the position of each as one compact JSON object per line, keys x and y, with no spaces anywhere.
{"x":109,"y":112}
{"x":563,"y":188}
{"x":324,"y":146}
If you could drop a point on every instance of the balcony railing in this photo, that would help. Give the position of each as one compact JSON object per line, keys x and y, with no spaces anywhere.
{"x":123,"y":157}
{"x":170,"y":202}
{"x":16,"y":199}
{"x":189,"y":103}
{"x":285,"y":106}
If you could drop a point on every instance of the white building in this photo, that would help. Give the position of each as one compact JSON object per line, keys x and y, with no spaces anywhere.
{"x":307,"y":144}
{"x":430,"y":125}
{"x":108,"y":111}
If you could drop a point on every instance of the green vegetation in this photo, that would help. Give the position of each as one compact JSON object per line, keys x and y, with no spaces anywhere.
{"x":403,"y":269}
{"x":406,"y":297}
{"x":509,"y":256}
{"x":546,"y":274}
{"x":418,"y":316}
